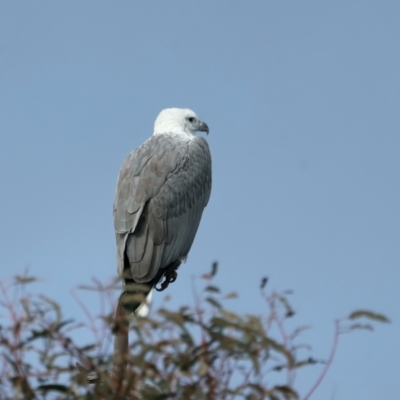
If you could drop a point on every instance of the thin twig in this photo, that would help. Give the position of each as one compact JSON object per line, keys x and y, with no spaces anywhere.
{"x":90,"y":318}
{"x":328,"y":363}
{"x":286,"y":341}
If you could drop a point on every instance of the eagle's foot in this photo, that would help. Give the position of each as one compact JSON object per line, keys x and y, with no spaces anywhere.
{"x":169,"y":276}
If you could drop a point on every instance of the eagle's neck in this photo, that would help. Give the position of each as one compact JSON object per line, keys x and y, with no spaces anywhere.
{"x":177,"y":130}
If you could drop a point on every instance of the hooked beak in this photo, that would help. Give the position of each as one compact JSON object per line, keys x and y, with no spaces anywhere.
{"x":203,"y":127}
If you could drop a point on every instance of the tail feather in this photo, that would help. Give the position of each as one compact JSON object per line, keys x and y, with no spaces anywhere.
{"x":136,"y":297}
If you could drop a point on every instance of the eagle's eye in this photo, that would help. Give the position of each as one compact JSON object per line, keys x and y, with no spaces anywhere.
{"x":191,"y":119}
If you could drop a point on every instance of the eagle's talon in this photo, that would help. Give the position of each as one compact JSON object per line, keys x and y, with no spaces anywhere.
{"x":169,"y":277}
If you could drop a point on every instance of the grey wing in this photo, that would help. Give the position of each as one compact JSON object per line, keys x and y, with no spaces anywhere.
{"x":162,"y":190}
{"x":184,"y":196}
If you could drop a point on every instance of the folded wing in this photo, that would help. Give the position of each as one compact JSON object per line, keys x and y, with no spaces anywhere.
{"x":163,"y":187}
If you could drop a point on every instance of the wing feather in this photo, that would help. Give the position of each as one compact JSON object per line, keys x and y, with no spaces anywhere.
{"x":188,"y":190}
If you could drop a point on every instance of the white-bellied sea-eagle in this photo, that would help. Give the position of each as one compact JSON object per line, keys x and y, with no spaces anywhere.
{"x":162,"y":189}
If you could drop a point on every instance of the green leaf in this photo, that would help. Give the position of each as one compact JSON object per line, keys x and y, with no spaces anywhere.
{"x":54,"y":387}
{"x":213,"y":302}
{"x":212,"y":289}
{"x":367,"y":327}
{"x":309,"y":361}
{"x":23,"y":280}
{"x":203,"y":369}
{"x":86,"y":287}
{"x":370,"y":315}
{"x":287,"y":392}
{"x":232,"y":295}
{"x":264,"y":282}
{"x":289,"y":310}
{"x":53,"y":304}
{"x":214,"y":268}
{"x":175,"y":317}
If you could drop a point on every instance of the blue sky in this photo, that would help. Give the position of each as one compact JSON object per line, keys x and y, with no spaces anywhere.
{"x":303,"y":104}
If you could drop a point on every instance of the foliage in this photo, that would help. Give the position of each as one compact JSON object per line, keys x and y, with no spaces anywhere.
{"x":200,"y":352}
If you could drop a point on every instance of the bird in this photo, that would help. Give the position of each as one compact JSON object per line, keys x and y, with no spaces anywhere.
{"x":162,"y":189}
